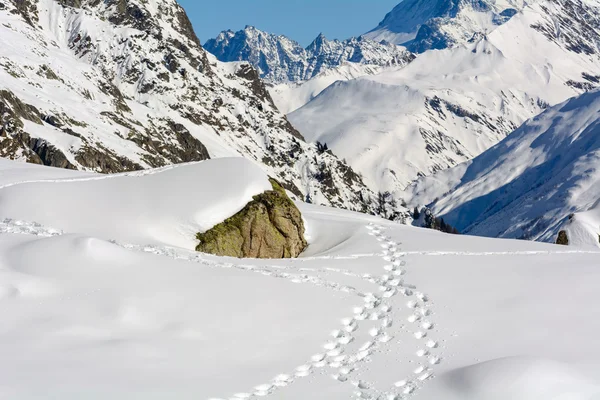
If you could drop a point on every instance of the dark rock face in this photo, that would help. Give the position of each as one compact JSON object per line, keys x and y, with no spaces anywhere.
{"x":270,"y":226}
{"x":12,"y":108}
{"x":35,"y":151}
{"x":563,"y":238}
{"x":191,"y":148}
{"x":103,"y":160}
{"x":26,"y":9}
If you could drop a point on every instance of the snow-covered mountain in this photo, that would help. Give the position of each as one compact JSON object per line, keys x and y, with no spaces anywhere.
{"x":290,"y":96}
{"x":280,"y":59}
{"x":438,"y":24}
{"x":125,"y":85}
{"x":103,"y":297}
{"x":448,"y":106}
{"x":532,"y":184}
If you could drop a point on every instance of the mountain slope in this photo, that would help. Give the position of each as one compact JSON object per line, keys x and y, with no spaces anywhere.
{"x":424,"y":24}
{"x":280,"y":59}
{"x":124,"y":85}
{"x":290,"y":96}
{"x":448,"y":106}
{"x":528,"y":185}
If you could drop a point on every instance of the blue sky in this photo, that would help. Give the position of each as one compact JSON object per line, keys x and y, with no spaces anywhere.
{"x":301,"y":20}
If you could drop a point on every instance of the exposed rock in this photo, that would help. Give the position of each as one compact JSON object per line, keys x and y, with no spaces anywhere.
{"x":49,"y":155}
{"x":148,"y":95}
{"x":13,"y":106}
{"x":27,"y":9}
{"x":34,"y":150}
{"x":270,"y":226}
{"x":104,"y":161}
{"x":563,"y":238}
{"x":191,"y":148}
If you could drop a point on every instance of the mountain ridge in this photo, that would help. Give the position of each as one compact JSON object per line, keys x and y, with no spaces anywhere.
{"x":121,"y":85}
{"x":447,"y":106}
{"x":280,"y":59}
{"x":541,"y":179}
{"x":421,"y":25}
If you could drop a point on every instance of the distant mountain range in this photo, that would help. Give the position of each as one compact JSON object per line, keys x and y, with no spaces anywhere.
{"x":448,"y":106}
{"x":280,"y":59}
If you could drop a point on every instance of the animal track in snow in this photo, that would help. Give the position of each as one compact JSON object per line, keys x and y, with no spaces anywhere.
{"x":335,"y":357}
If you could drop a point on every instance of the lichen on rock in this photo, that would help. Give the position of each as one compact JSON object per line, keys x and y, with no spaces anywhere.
{"x":270,"y":226}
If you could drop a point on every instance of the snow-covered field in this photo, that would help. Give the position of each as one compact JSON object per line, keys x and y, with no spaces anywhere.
{"x":103,"y":297}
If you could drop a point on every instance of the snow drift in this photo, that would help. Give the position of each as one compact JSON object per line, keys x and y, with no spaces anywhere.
{"x":166,"y":206}
{"x":99,"y":305}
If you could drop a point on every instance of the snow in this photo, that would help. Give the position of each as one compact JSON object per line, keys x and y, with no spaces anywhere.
{"x":289,"y":97}
{"x":97,"y":305}
{"x":530,"y":184}
{"x":281,"y":60}
{"x":515,"y":378}
{"x":425,"y":24}
{"x":166,"y":206}
{"x":446,"y":106}
{"x":583,"y":229}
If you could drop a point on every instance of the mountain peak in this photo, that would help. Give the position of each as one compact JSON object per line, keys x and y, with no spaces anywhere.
{"x":280,"y":59}
{"x":421,"y":25}
{"x":123,"y":85}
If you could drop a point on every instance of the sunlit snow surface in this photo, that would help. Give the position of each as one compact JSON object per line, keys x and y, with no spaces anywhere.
{"x":445,"y":107}
{"x":543,"y":178}
{"x":103,"y":297}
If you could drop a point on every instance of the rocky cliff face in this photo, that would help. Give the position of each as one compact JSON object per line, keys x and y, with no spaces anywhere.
{"x":270,"y":226}
{"x":111,"y":86}
{"x":280,"y":59}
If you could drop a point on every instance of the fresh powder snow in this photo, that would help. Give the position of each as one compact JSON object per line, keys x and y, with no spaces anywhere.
{"x":96,"y":304}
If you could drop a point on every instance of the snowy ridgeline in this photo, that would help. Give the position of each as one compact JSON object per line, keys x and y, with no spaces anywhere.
{"x":448,"y":106}
{"x":102,"y":296}
{"x":422,"y":25}
{"x":541,"y":179}
{"x":89,"y":86}
{"x":282,"y":60}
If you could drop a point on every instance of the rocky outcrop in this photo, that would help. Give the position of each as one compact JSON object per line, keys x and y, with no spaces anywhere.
{"x":563,"y":238}
{"x":270,"y":226}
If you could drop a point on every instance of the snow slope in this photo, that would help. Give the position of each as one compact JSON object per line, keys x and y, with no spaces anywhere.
{"x":282,"y":60}
{"x":448,"y":106}
{"x":289,"y":97}
{"x":120,"y":86}
{"x":583,"y":228}
{"x":372,"y":309}
{"x":528,"y":185}
{"x":422,"y":25}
